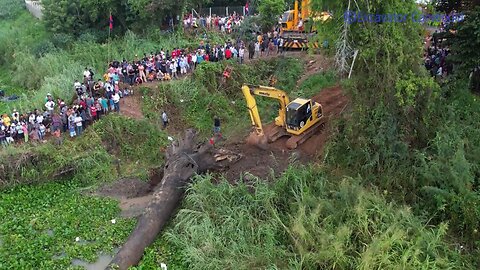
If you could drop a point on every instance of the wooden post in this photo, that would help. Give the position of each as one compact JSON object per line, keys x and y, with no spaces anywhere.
{"x":353,"y":62}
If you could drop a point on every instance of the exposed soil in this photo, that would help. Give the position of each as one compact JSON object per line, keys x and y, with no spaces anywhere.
{"x":270,"y":163}
{"x":131,"y":106}
{"x":133,"y":194}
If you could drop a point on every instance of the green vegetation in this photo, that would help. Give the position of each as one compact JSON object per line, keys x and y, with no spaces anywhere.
{"x":39,"y":226}
{"x":317,"y":81}
{"x":305,"y":220}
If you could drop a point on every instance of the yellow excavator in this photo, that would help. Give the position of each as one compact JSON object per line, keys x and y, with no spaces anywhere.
{"x":297,"y":26}
{"x":299,"y":119}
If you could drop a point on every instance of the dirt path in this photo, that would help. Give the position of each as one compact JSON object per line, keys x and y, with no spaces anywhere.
{"x":131,"y":106}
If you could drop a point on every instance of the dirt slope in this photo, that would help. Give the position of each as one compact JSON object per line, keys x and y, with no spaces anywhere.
{"x":272,"y":162}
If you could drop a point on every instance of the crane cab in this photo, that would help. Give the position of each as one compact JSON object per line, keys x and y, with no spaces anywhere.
{"x":301,"y":114}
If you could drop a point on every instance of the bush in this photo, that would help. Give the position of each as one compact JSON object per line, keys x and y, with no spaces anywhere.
{"x":61,"y":40}
{"x":133,"y":140}
{"x":84,"y":160}
{"x":10,"y":8}
{"x":42,"y":48}
{"x":314,"y":83}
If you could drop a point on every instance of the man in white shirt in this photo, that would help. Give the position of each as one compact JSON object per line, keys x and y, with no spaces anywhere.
{"x":86,"y":73}
{"x":241,"y":54}
{"x":39,"y":118}
{"x":50,"y":105}
{"x":78,"y":87}
{"x":194,"y":60}
{"x":116,"y":101}
{"x":78,"y":123}
{"x":31,"y":118}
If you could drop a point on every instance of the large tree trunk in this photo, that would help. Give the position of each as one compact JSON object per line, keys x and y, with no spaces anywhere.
{"x":184,"y":160}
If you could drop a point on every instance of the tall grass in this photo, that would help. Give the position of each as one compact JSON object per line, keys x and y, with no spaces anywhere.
{"x":305,"y":220}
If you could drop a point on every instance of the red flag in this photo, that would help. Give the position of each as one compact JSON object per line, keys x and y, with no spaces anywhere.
{"x":111,"y":22}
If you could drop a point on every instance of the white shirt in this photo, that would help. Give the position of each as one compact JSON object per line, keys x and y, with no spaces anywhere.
{"x":77,"y":85}
{"x":194,"y":58}
{"x":116,"y":97}
{"x":32,"y":118}
{"x":50,"y":105}
{"x":39,"y":118}
{"x":78,"y":121}
{"x":86,"y":73}
{"x":241,"y":52}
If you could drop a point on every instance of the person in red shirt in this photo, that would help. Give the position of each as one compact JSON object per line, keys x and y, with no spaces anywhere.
{"x":228,"y":53}
{"x":174,"y":52}
{"x":206,"y":57}
{"x":83,"y":104}
{"x":93,"y":112}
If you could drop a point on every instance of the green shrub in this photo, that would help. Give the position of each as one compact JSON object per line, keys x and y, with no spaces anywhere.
{"x":61,"y":40}
{"x":133,"y":140}
{"x":42,"y":48}
{"x":314,"y":83}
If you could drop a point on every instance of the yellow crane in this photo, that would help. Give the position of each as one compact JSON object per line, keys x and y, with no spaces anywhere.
{"x":299,"y":119}
{"x":297,"y":26}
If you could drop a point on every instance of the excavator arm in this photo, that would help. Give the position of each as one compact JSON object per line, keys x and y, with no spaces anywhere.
{"x":250,"y":91}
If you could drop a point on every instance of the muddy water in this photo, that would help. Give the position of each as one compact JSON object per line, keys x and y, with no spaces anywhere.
{"x":100,"y":264}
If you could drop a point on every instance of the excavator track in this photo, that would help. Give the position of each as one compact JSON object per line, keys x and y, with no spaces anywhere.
{"x":296,"y":140}
{"x":275,"y":133}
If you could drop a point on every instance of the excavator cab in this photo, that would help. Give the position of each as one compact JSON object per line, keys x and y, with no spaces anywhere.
{"x":301,"y":114}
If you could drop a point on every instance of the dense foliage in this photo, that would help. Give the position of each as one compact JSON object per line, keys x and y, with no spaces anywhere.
{"x":11,"y":8}
{"x":80,"y":17}
{"x":466,"y":41}
{"x":305,"y":220}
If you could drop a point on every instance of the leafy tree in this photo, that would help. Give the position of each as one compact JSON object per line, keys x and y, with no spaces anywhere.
{"x":269,"y":11}
{"x":465,"y":43}
{"x":10,"y":8}
{"x":87,"y":16}
{"x":448,"y":6}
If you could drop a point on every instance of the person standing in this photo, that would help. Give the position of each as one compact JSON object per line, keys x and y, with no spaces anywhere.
{"x":241,"y":54}
{"x":79,"y":125}
{"x":164,"y":119}
{"x":216,"y":126}
{"x":116,"y":102}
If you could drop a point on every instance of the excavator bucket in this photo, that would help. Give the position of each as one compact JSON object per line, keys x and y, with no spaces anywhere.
{"x":259,"y":141}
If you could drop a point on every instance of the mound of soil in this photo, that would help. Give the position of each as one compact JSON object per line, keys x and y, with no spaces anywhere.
{"x":125,"y":189}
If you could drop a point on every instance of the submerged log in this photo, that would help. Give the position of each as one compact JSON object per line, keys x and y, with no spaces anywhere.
{"x":184,"y":159}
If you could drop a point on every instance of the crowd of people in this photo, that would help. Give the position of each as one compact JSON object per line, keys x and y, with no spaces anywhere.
{"x":93,"y":101}
{"x":98,"y":97}
{"x":225,"y":24}
{"x":434,"y":57}
{"x":166,"y":65}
